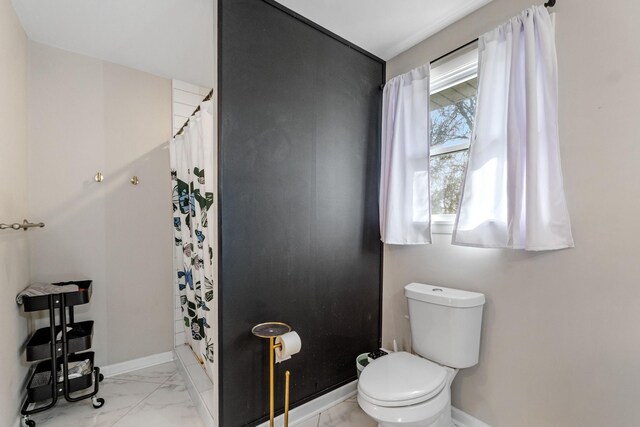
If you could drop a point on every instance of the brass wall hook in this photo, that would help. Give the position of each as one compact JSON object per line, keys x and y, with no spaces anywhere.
{"x":98,"y":177}
{"x":135,"y":180}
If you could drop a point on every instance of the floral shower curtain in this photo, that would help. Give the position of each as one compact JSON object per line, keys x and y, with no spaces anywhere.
{"x":192,"y":169}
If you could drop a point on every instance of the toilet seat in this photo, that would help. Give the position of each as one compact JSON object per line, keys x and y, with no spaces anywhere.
{"x":401,"y":379}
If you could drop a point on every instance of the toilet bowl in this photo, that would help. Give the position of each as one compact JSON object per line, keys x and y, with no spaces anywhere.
{"x":408,"y":390}
{"x":402,"y":389}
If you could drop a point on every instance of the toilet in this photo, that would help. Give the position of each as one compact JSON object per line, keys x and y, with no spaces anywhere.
{"x":403,"y":389}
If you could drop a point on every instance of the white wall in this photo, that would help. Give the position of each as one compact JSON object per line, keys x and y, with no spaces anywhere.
{"x":186,"y":98}
{"x":560,"y":343}
{"x":14,"y":266}
{"x":85,"y":116}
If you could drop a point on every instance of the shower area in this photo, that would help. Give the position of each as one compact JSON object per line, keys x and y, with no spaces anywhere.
{"x":193,"y":181}
{"x":193,"y":172}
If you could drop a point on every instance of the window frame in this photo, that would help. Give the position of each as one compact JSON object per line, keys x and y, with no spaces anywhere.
{"x":448,"y":73}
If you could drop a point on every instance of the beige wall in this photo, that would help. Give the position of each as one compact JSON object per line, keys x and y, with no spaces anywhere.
{"x":14,"y":266}
{"x":561,"y":345}
{"x":85,"y":116}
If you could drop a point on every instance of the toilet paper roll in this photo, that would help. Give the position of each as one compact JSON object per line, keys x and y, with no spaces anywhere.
{"x":291,"y":345}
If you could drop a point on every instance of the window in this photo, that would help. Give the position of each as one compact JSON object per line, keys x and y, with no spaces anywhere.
{"x":453,"y":103}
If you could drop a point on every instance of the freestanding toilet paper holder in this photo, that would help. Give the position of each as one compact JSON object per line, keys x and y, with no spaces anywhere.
{"x":272,"y":330}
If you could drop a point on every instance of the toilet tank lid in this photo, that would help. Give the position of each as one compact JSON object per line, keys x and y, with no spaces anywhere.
{"x":443,"y":296}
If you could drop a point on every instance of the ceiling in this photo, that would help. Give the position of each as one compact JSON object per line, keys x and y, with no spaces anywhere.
{"x":384,"y":27}
{"x":168,"y":38}
{"x":174,"y":38}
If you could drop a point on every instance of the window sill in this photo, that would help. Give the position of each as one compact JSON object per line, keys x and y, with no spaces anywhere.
{"x":442,"y":227}
{"x":442,"y":224}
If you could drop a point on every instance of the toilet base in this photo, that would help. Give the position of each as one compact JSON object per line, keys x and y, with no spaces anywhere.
{"x":434,"y":413}
{"x":442,"y":420}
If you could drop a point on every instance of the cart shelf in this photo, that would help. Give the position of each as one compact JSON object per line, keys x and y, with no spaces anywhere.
{"x":81,"y":296}
{"x":43,"y":391}
{"x":79,"y":338}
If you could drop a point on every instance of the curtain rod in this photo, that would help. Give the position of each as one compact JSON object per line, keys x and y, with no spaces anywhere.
{"x":549,"y":3}
{"x":206,"y":98}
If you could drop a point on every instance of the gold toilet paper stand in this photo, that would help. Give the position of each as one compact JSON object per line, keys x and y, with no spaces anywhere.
{"x":272,"y":330}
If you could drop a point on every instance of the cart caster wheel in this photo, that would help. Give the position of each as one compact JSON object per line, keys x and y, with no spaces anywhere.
{"x":28,"y":423}
{"x":101,"y":378}
{"x":98,"y":402}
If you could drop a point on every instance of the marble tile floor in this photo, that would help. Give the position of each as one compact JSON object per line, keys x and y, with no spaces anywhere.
{"x":345,"y":414}
{"x":157,"y":397}
{"x":154,"y":396}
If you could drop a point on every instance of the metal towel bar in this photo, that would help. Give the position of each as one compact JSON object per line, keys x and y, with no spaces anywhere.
{"x":24,"y":226}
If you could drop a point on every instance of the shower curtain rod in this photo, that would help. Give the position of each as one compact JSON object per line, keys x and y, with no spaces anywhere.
{"x":206,"y":98}
{"x":549,"y":3}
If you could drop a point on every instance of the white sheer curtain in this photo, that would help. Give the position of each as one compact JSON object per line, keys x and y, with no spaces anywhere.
{"x":405,"y":212}
{"x":513,"y":194}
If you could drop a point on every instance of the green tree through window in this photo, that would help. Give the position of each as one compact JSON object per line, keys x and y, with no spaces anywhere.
{"x":452,"y":114}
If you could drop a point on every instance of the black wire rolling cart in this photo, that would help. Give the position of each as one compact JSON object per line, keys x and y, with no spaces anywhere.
{"x":58,"y":345}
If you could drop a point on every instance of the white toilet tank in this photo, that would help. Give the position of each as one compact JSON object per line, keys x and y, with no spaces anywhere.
{"x":445,"y":324}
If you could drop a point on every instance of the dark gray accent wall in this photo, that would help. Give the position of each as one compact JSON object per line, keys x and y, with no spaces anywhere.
{"x":299,"y":235}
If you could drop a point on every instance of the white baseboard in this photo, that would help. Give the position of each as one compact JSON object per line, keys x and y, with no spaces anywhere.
{"x":462,"y":419}
{"x":135,"y":364}
{"x":311,"y":409}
